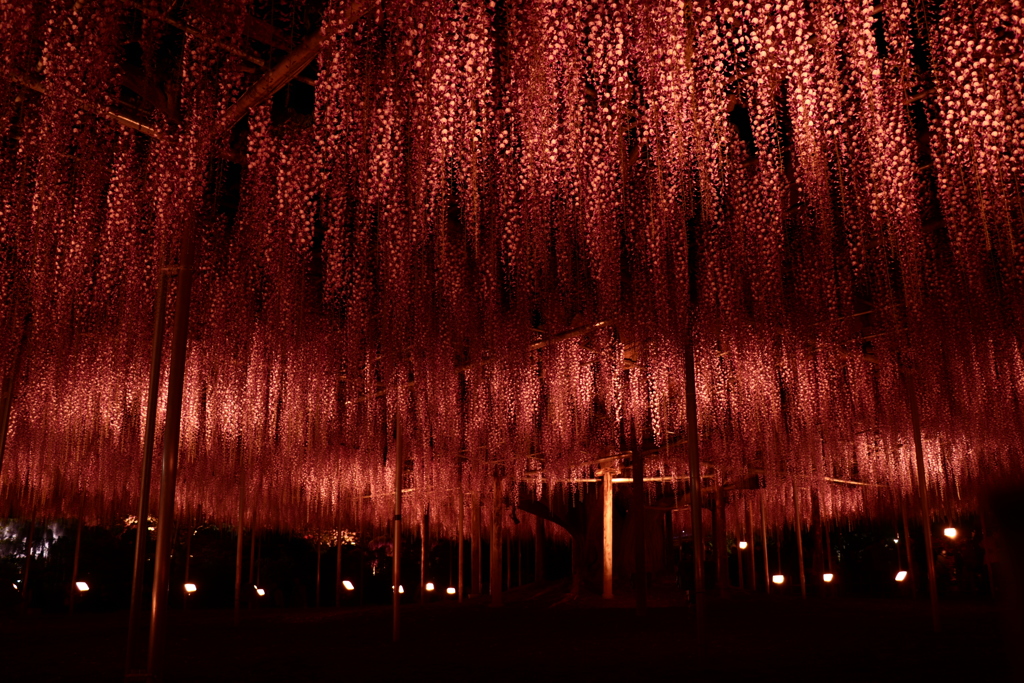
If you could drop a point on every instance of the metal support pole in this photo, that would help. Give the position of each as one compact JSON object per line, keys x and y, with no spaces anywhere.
{"x":461,"y":542}
{"x":799,"y":526}
{"x":475,"y":552}
{"x":396,"y":577}
{"x":764,"y":546}
{"x":922,"y":485}
{"x":696,"y":497}
{"x":74,"y":567}
{"x":169,"y":473}
{"x":607,"y":528}
{"x":496,"y":543}
{"x":142,"y":528}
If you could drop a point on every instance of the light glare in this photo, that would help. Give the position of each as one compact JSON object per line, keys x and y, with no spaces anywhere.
{"x":778,"y":579}
{"x":429,"y":586}
{"x":348,"y":585}
{"x":190,"y":588}
{"x":901,"y":574}
{"x":949,"y":532}
{"x":743,"y":545}
{"x":827,"y":578}
{"x":260,"y":592}
{"x":451,"y":590}
{"x":82,"y":586}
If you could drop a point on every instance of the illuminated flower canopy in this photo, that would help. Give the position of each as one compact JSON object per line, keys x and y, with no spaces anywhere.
{"x":496,"y":224}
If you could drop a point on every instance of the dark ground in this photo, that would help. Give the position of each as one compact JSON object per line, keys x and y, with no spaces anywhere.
{"x":749,"y":637}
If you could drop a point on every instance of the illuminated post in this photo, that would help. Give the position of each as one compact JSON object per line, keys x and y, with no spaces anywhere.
{"x":461,"y":538}
{"x":799,"y":541}
{"x":496,"y":543}
{"x":399,"y":465}
{"x":142,"y":529}
{"x":74,"y":566}
{"x":606,"y":491}
{"x":169,"y":473}
{"x":696,"y":497}
{"x":475,"y":553}
{"x":922,"y":485}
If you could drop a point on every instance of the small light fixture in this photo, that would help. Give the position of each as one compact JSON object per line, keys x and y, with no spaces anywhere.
{"x":827,"y":578}
{"x":451,"y":590}
{"x":429,"y":586}
{"x":901,"y":575}
{"x":778,"y":579}
{"x":190,"y":588}
{"x":743,"y":545}
{"x":347,"y":585}
{"x":260,"y":592}
{"x":82,"y":586}
{"x":401,"y":588}
{"x":15,"y":586}
{"x":949,"y":532}
{"x":896,"y":540}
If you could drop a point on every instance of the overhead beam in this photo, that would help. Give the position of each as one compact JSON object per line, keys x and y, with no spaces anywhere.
{"x":292,"y":65}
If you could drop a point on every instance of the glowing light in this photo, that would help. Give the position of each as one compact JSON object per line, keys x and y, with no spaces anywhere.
{"x":260,"y":592}
{"x":15,"y":586}
{"x":778,"y":579}
{"x":348,"y":585}
{"x":949,"y":532}
{"x":429,"y":586}
{"x":82,"y":586}
{"x":896,"y":540}
{"x":743,"y":545}
{"x":827,"y":578}
{"x":451,"y":590}
{"x":401,"y":588}
{"x":901,"y":575}
{"x":190,"y":588}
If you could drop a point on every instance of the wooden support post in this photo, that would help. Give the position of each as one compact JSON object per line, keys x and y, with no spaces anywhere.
{"x":640,"y":528}
{"x":718,"y":526}
{"x":319,"y":566}
{"x":799,"y":526}
{"x":396,"y":575}
{"x":74,"y":568}
{"x":475,"y":551}
{"x":142,"y":528}
{"x":818,"y":561}
{"x":337,"y":569}
{"x":496,"y":544}
{"x":539,"y":541}
{"x":740,"y":556}
{"x":607,"y":529}
{"x":461,"y":542}
{"x":751,"y":546}
{"x":507,"y":538}
{"x":424,"y":545}
{"x":911,"y":572}
{"x":922,"y":486}
{"x":696,"y":497}
{"x":239,"y":546}
{"x":764,"y":545}
{"x":169,"y":473}
{"x":25,"y":597}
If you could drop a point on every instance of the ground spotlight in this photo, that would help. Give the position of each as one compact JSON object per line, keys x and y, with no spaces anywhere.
{"x":949,"y":532}
{"x":190,"y":588}
{"x":901,"y":575}
{"x":82,"y":586}
{"x":778,"y":579}
{"x":347,"y":585}
{"x":827,"y":578}
{"x":260,"y":592}
{"x":743,"y":545}
{"x":429,"y":586}
{"x":451,"y":590}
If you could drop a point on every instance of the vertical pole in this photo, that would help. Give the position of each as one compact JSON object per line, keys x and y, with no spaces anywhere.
{"x":169,"y":473}
{"x":718,"y":533}
{"x":424,"y":544}
{"x":461,"y":540}
{"x":188,"y":562}
{"x":911,"y":572}
{"x":507,"y":539}
{"x":740,"y":556}
{"x":142,"y":529}
{"x":74,"y":567}
{"x":239,"y":545}
{"x":252,"y":561}
{"x":639,"y":528}
{"x":751,"y":546}
{"x":7,"y":392}
{"x":475,"y":553}
{"x":539,"y":536}
{"x":799,"y":526}
{"x":396,"y":576}
{"x":28,"y":565}
{"x":319,"y":564}
{"x":764,"y":546}
{"x":496,"y":543}
{"x":337,"y":569}
{"x":519,"y":561}
{"x":606,"y":491}
{"x":922,"y":485}
{"x":696,"y":497}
